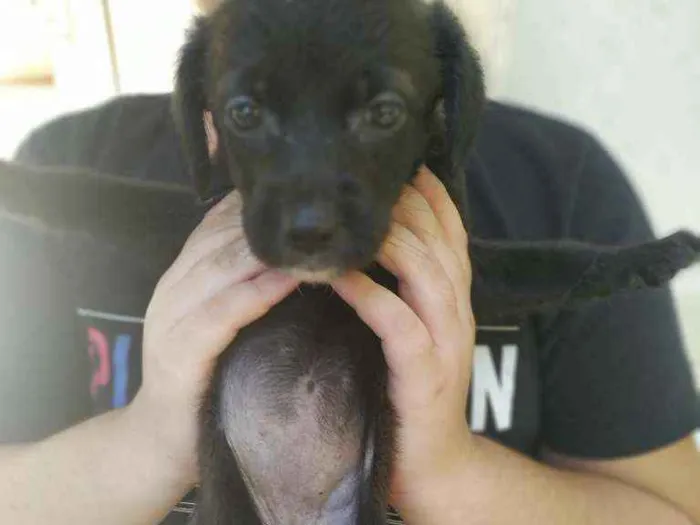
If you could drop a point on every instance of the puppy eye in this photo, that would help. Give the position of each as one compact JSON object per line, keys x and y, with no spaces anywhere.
{"x":244,"y":113}
{"x":386,"y":112}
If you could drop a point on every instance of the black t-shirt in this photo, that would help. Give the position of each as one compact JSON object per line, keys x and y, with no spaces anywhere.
{"x":607,"y":380}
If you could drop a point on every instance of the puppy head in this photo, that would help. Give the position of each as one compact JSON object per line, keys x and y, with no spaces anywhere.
{"x":320,"y":112}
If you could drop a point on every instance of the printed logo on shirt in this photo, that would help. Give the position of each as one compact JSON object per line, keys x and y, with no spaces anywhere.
{"x":113,"y":347}
{"x":494,"y":378}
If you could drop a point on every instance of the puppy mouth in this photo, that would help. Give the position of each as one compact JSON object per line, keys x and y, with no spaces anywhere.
{"x":315,"y":243}
{"x":316,"y":269}
{"x":311,"y":276}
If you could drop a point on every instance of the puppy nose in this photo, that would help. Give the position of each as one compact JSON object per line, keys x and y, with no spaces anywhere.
{"x":311,"y":228}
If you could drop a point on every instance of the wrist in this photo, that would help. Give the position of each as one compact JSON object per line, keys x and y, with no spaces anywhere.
{"x":427,"y":491}
{"x":109,"y":469}
{"x":169,"y":444}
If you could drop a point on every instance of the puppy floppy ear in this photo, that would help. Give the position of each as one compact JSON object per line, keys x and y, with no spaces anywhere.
{"x":190,"y":110}
{"x":463,"y":92}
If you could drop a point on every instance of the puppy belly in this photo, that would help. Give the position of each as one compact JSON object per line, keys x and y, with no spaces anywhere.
{"x":291,"y":415}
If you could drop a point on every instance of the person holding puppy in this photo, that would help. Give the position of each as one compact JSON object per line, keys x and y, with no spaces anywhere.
{"x":577,"y":418}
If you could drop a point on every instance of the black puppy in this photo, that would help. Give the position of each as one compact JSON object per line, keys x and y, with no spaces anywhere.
{"x":319,"y":112}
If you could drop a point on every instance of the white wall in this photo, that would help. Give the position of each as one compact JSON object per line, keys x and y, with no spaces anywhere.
{"x":147,"y":36}
{"x":629,"y":69}
{"x":489,"y":24}
{"x":93,"y":65}
{"x":84,"y":76}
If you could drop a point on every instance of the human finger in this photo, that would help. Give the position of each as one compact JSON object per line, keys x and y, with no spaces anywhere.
{"x":430,"y":290}
{"x":445,"y":210}
{"x":414,"y":213}
{"x":214,"y":323}
{"x":206,"y":280}
{"x":220,"y":232}
{"x":408,"y":346}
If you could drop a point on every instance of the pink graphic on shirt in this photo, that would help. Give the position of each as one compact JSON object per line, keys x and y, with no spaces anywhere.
{"x":99,"y":352}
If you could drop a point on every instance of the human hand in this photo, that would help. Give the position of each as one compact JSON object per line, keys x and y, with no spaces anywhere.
{"x":213,"y":289}
{"x":428,"y":336}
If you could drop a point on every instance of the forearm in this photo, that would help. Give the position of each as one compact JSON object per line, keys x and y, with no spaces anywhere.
{"x":108,"y":470}
{"x":497,"y":486}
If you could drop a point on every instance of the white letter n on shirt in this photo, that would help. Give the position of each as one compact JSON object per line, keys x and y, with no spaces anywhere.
{"x":487,"y":385}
